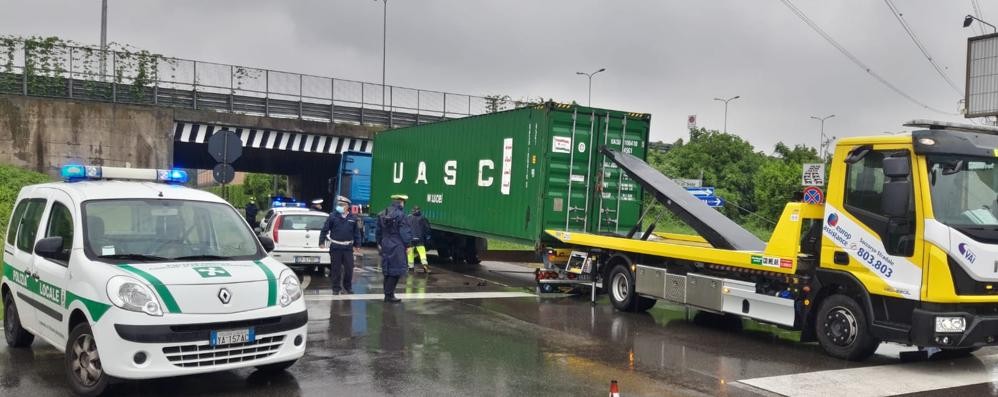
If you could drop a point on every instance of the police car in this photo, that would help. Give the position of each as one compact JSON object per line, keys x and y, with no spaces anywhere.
{"x":135,"y":277}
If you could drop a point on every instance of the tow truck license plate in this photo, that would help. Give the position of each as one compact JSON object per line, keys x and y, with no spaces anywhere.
{"x":306,"y":259}
{"x":232,"y":336}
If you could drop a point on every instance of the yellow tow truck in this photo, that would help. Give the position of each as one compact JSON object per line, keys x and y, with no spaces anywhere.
{"x":904,"y":249}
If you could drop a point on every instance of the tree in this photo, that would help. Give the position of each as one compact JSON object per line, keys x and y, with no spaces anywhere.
{"x":727,"y":162}
{"x":778,"y":179}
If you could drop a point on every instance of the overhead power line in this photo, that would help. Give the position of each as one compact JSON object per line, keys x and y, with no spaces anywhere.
{"x":921,"y":47}
{"x":800,"y":14}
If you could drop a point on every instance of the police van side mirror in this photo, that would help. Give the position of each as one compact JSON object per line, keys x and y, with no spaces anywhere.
{"x":267,"y":243}
{"x":50,"y":248}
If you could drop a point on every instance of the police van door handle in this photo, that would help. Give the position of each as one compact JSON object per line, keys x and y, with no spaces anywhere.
{"x":840,"y":258}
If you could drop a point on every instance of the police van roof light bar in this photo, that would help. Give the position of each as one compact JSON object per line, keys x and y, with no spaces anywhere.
{"x":71,"y":173}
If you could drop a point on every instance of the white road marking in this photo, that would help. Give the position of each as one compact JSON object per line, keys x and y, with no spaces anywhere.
{"x":421,"y":296}
{"x":883,"y":380}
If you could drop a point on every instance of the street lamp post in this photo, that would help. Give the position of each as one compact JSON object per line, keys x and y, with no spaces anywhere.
{"x":969,"y":19}
{"x":590,"y":76}
{"x":822,"y":142}
{"x":103,"y":38}
{"x":384,"y":50}
{"x":726,"y":109}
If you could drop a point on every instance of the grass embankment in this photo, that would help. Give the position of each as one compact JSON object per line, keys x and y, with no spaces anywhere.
{"x":12,"y":179}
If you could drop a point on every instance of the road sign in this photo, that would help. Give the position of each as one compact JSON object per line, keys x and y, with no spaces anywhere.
{"x":702,"y":191}
{"x":712,"y":201}
{"x":223,"y":173}
{"x":813,"y":195}
{"x":691,"y":121}
{"x":225,"y":146}
{"x":688,"y":183}
{"x":813,"y":174}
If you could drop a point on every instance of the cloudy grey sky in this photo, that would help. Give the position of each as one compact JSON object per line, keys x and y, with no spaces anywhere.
{"x":667,"y":58}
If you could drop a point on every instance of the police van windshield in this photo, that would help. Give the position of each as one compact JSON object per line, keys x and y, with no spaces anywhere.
{"x":165,"y":230}
{"x":964,"y":190}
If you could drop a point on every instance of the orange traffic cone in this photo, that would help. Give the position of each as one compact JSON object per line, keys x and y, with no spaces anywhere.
{"x":614,"y":391}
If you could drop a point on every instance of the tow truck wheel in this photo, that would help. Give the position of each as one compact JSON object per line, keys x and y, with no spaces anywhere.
{"x":83,"y":367}
{"x":16,"y":335}
{"x":842,"y":329}
{"x":621,"y":291}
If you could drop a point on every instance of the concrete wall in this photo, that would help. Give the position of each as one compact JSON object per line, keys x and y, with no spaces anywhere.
{"x":42,"y":134}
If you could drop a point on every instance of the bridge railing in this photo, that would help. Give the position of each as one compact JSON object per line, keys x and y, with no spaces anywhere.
{"x":43,"y":69}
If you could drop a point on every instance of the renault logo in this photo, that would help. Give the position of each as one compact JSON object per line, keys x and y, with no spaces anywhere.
{"x":225,"y":296}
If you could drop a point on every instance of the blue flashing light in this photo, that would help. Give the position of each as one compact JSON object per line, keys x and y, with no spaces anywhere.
{"x":73,"y":172}
{"x":176,"y":176}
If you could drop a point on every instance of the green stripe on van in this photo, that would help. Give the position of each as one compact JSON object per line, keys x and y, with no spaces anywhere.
{"x":271,"y":283}
{"x":164,"y":293}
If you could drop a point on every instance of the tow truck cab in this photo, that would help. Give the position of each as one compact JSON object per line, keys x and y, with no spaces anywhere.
{"x":912,"y":220}
{"x":904,"y":249}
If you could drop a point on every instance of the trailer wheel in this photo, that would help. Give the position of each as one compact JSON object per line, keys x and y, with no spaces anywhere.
{"x":842,"y":329}
{"x":621,"y":291}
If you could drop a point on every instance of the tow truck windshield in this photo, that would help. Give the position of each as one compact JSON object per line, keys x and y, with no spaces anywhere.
{"x":154,"y":230}
{"x":964,"y":191}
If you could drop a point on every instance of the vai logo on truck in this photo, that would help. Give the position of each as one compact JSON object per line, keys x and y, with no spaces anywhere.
{"x":966,"y":252}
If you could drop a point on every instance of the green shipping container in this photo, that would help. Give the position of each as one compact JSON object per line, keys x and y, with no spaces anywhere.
{"x":510,"y":175}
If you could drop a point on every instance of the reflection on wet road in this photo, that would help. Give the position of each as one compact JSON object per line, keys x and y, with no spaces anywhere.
{"x":482,"y":331}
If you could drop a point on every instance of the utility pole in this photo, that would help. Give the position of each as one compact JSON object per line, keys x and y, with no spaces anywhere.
{"x":822,"y":141}
{"x":384,"y":51}
{"x":103,"y":38}
{"x":726,"y":109}
{"x":590,"y":76}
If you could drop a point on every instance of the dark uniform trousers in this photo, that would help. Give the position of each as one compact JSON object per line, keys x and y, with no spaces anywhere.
{"x":341,"y":269}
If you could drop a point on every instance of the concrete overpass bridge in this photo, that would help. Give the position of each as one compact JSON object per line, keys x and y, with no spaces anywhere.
{"x":62,"y":103}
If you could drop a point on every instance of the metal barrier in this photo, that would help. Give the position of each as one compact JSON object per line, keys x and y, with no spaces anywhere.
{"x":43,"y":69}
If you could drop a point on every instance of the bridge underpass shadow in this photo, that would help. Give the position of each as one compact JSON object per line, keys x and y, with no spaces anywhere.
{"x":309,"y":172}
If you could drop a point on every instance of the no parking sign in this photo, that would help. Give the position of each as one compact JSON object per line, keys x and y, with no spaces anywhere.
{"x":813,"y":195}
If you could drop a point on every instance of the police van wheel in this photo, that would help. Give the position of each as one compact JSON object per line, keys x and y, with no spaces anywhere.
{"x":12,"y":330}
{"x":842,"y":329}
{"x":275,"y":367}
{"x":83,"y":366}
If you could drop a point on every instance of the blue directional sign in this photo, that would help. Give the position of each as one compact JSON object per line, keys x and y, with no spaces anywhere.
{"x":705,"y":191}
{"x":712,"y":201}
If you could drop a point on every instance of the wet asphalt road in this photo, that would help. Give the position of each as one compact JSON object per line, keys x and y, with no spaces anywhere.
{"x":556,"y":345}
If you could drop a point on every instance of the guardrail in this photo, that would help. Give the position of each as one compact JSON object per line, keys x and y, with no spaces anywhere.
{"x":38,"y":69}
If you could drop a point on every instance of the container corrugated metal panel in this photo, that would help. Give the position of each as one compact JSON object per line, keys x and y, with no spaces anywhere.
{"x":512,"y":174}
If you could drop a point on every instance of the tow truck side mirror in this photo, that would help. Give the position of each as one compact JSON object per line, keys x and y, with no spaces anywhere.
{"x":897,"y":187}
{"x":50,"y":248}
{"x":267,"y":243}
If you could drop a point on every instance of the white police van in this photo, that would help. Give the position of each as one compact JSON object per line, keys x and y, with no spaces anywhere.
{"x":135,"y":277}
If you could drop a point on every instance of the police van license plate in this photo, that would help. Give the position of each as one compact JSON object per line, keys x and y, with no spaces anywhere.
{"x":232,"y":336}
{"x":306,"y":259}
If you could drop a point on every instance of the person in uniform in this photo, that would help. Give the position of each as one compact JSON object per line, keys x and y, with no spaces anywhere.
{"x":393,"y":236}
{"x":420,"y":234}
{"x":343,"y":229}
{"x":251,"y":211}
{"x":317,"y":204}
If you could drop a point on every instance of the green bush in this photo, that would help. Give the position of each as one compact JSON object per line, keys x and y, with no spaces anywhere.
{"x":12,"y":179}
